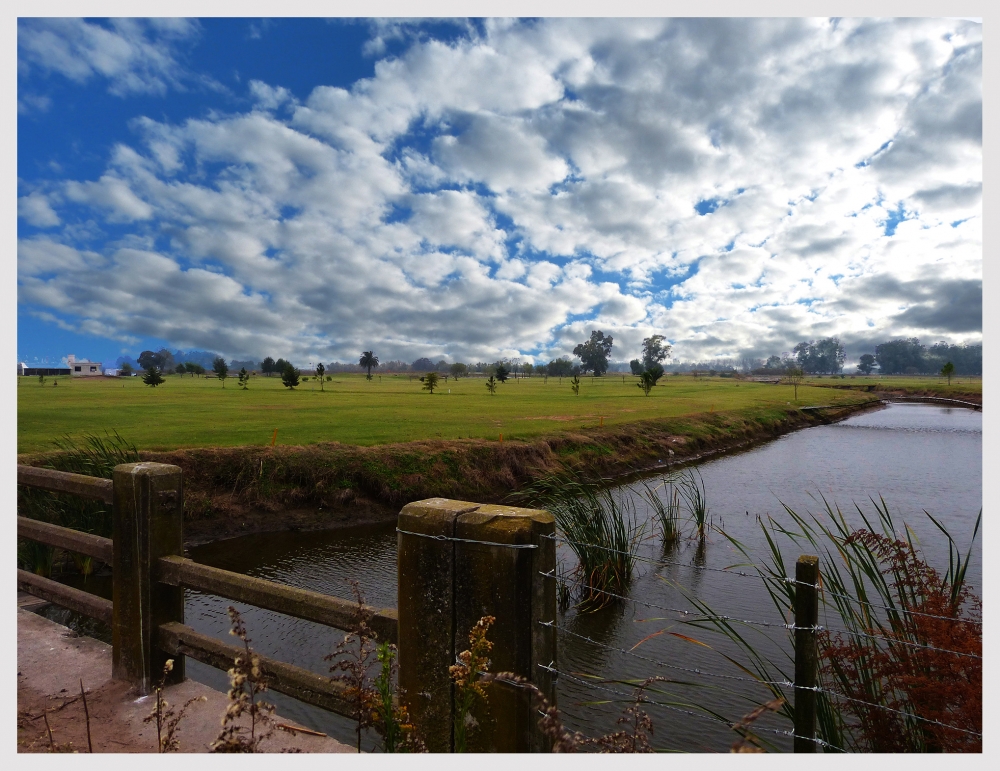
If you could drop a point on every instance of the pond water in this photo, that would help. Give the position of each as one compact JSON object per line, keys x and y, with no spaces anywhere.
{"x":917,"y":457}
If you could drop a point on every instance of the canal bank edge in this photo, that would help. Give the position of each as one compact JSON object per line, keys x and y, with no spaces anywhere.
{"x":231,"y":491}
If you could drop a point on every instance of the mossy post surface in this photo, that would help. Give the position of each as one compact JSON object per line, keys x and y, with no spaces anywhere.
{"x":491,"y":565}
{"x":147,"y":524}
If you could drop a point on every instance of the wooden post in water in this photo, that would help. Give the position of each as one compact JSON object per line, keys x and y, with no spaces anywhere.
{"x":458,"y":562}
{"x":806,"y":619}
{"x":147,"y":524}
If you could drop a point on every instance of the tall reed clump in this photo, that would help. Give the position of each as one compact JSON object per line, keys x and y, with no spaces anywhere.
{"x":600,"y":527}
{"x":666,"y":510}
{"x":691,"y":488}
{"x":901,"y":654}
{"x":94,"y":456}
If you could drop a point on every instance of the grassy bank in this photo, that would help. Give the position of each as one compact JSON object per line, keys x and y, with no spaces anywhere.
{"x":188,"y":412}
{"x":230,"y":490}
{"x":968,"y":389}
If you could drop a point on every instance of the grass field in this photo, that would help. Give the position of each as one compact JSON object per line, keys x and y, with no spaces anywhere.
{"x":928,"y":383}
{"x":199,"y":412}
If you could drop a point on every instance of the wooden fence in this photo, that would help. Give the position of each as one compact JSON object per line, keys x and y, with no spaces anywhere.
{"x":458,"y":561}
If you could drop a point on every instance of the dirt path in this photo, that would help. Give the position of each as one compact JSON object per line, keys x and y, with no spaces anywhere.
{"x":51,"y":662}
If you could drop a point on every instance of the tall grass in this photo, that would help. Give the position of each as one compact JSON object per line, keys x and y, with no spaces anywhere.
{"x":666,"y":510}
{"x":888,"y":606}
{"x":94,"y":456}
{"x":600,"y":527}
{"x":691,"y":487}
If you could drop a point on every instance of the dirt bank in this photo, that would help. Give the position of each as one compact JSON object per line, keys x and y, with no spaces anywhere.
{"x":232,"y":491}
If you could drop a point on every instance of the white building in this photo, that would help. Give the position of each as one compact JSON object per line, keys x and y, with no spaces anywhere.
{"x":83,"y":368}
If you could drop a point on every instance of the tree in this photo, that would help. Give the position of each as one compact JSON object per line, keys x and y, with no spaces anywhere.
{"x":458,"y":370}
{"x":126,"y":370}
{"x":595,"y":352}
{"x":502,"y":372}
{"x":560,"y":368}
{"x":636,"y":366}
{"x":221,"y":369}
{"x":773,"y":362}
{"x":948,"y":370}
{"x":180,"y":370}
{"x":194,"y":369}
{"x":866,"y":364}
{"x":423,"y":364}
{"x":653,"y":351}
{"x":320,"y":369}
{"x":267,"y":366}
{"x":152,"y":377}
{"x":648,"y":378}
{"x":430,"y":381}
{"x":244,"y":378}
{"x":281,"y":365}
{"x":820,"y":356}
{"x":491,"y":385}
{"x":896,"y":356}
{"x":147,"y":360}
{"x":574,"y":384}
{"x":793,"y":377}
{"x":369,"y":360}
{"x":290,"y":376}
{"x":41,"y":380}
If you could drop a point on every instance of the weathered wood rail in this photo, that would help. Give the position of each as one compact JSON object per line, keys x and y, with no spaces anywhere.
{"x":458,"y":561}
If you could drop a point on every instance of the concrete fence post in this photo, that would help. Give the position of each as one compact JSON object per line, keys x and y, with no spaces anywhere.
{"x":147,"y":524}
{"x":458,"y":562}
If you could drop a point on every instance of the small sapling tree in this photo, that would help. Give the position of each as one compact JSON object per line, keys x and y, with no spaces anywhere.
{"x":430,"y":381}
{"x":575,"y":384}
{"x":491,"y":385}
{"x":793,"y":377}
{"x":244,"y":378}
{"x":320,"y":369}
{"x":648,"y":378}
{"x":502,"y":373}
{"x":41,"y":380}
{"x":221,"y":369}
{"x":152,"y":377}
{"x":948,"y":370}
{"x":290,"y":376}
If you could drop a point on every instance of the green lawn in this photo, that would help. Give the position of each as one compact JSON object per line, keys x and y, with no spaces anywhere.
{"x":199,"y":412}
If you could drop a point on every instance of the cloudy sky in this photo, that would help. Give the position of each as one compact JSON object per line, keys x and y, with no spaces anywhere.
{"x":469,"y":190}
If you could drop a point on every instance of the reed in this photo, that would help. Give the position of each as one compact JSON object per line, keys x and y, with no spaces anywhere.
{"x":691,"y":488}
{"x":601,"y":528}
{"x":666,"y":509}
{"x":883,"y":605}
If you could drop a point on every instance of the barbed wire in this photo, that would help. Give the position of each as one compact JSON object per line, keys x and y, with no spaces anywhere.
{"x":892,"y":640}
{"x":469,"y":540}
{"x":832,"y":593}
{"x":701,"y":616}
{"x":716,"y":721}
{"x":888,"y":709}
{"x":696,"y":671}
{"x":651,"y":561}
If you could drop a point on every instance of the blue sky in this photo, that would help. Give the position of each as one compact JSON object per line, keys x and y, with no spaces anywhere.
{"x":310,"y":189}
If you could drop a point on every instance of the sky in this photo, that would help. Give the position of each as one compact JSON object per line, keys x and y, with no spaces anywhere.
{"x":476,"y":189}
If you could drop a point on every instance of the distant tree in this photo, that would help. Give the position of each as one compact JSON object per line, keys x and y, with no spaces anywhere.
{"x":491,"y":385}
{"x":221,"y":369}
{"x":147,"y":360}
{"x":653,"y":351}
{"x":948,"y":370}
{"x":194,"y":369}
{"x":180,"y":370}
{"x":528,"y":369}
{"x":458,"y":370}
{"x":560,"y":368}
{"x":423,"y":364}
{"x":152,"y":377}
{"x":267,"y":366}
{"x":793,"y":377}
{"x":126,"y":369}
{"x":773,"y":362}
{"x":574,"y":384}
{"x":595,"y":352}
{"x":820,"y":356}
{"x":280,"y":366}
{"x":290,"y":376}
{"x":441,"y":366}
{"x":320,"y":369}
{"x":502,"y":372}
{"x":896,"y":356}
{"x":430,"y":381}
{"x":244,"y":378}
{"x":369,"y":360}
{"x":866,"y":364}
{"x":41,"y":380}
{"x":636,"y":366}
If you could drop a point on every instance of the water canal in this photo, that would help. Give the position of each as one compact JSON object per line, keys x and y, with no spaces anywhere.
{"x":915,"y":456}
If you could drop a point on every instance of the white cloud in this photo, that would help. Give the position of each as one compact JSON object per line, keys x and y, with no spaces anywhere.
{"x":726,"y":182}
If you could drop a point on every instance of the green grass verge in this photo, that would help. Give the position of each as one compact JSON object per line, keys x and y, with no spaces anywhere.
{"x":199,"y":412}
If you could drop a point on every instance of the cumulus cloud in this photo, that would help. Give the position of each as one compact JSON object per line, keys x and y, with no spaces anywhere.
{"x":737,"y":185}
{"x":135,"y":56}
